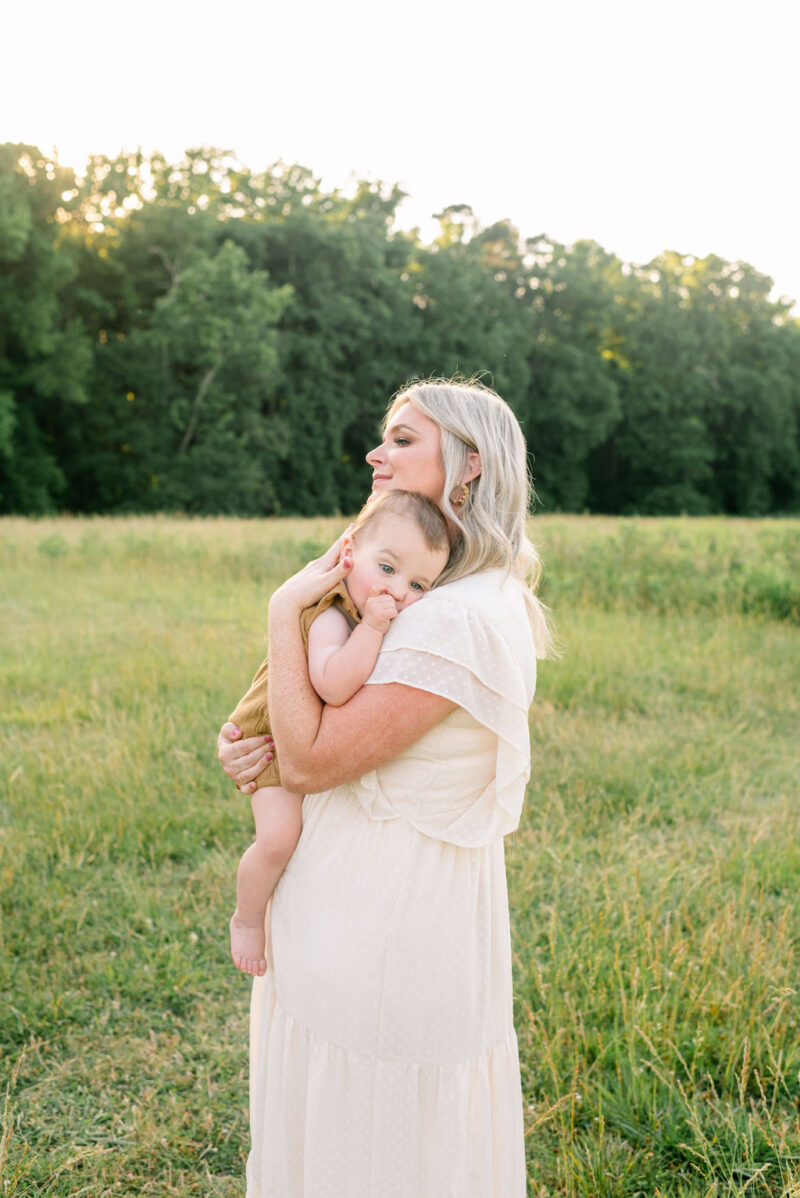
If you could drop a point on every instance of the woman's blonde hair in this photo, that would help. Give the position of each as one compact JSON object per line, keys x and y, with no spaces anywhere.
{"x":491,"y":521}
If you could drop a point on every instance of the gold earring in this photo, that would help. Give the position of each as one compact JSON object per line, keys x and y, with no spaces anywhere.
{"x":463,"y":497}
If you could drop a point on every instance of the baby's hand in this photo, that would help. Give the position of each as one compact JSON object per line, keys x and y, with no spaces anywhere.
{"x":379,"y":610}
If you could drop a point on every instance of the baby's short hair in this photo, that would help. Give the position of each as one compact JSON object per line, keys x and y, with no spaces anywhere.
{"x":411,"y":505}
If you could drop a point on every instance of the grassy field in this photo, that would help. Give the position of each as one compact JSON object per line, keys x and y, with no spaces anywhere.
{"x":654,"y":882}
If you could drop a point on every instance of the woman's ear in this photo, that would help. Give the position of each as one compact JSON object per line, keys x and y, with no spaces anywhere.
{"x":474,"y":466}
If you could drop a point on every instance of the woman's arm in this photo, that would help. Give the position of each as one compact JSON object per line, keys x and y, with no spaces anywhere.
{"x":318,"y":746}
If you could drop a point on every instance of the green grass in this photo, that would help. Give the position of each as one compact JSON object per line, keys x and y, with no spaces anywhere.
{"x":654,"y":881}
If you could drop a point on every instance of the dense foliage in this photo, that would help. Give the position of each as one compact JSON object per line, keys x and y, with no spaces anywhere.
{"x":193,"y":336}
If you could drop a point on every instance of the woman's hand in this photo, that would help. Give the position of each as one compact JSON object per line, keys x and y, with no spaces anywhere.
{"x":313,"y":581}
{"x":243,"y":760}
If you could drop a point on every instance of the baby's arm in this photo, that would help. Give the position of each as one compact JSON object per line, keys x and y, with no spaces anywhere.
{"x":341,"y":661}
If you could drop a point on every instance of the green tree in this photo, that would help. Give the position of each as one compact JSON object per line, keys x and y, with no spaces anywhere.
{"x":466,"y":316}
{"x":45,"y":355}
{"x":708,"y":400}
{"x":184,"y":413}
{"x":344,"y":339}
{"x":749,"y":353}
{"x":572,"y":347}
{"x":192,"y":334}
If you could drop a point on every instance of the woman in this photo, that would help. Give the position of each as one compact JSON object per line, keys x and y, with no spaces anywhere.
{"x":383,"y":1055}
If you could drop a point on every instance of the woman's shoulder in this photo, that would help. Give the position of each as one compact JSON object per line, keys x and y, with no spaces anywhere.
{"x":494,"y":593}
{"x":475,"y":633}
{"x":481,"y":616}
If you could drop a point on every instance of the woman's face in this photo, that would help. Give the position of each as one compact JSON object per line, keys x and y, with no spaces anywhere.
{"x":410,"y":456}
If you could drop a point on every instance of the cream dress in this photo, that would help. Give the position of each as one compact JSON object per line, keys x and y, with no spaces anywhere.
{"x":383,"y":1059}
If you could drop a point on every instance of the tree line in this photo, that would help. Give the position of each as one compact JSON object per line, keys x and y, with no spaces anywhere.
{"x":195,"y":336}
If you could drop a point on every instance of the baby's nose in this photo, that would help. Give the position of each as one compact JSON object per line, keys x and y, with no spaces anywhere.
{"x":397,"y":590}
{"x":407,"y":596}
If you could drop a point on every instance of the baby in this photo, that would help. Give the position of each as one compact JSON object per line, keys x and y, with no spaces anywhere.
{"x":399,"y":547}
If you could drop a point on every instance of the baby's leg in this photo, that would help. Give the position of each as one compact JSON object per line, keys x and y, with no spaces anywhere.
{"x":278,"y":816}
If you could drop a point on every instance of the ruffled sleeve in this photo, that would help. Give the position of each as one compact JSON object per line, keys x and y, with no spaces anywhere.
{"x":470,"y":641}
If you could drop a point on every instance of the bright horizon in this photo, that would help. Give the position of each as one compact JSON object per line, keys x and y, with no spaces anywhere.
{"x":642,"y":130}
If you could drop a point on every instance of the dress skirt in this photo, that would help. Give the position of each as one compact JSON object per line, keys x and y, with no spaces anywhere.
{"x":383,"y":1055}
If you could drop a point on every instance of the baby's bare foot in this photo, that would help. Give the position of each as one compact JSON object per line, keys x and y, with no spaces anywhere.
{"x":248,"y":944}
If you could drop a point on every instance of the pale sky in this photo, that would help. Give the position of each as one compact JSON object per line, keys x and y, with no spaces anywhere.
{"x":644,"y":126}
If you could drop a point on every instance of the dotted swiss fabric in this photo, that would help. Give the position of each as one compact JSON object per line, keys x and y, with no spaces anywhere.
{"x":383,"y":1055}
{"x":471,"y":642}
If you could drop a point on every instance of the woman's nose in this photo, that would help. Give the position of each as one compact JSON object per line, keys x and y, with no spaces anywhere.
{"x":374,"y":455}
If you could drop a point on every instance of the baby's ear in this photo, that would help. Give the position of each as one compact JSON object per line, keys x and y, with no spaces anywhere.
{"x":347,"y":545}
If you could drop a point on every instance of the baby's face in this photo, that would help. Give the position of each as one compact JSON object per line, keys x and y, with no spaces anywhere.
{"x":392,"y":554}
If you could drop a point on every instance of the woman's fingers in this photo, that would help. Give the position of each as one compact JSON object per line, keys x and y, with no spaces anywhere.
{"x":254,"y":759}
{"x":230,"y":731}
{"x":331,"y":556}
{"x":240,"y":749}
{"x":245,"y":776}
{"x":337,"y":572}
{"x":235,"y":756}
{"x":312,"y":582}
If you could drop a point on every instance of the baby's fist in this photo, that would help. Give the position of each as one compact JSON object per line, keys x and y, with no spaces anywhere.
{"x":379,"y":611}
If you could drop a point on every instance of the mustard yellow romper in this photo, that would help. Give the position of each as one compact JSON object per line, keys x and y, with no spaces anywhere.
{"x":252,"y":713}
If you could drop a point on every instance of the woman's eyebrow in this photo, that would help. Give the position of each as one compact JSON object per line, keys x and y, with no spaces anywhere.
{"x":394,"y":427}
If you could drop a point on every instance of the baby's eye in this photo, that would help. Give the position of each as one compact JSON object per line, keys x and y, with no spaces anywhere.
{"x":387,"y":569}
{"x":417,"y":586}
